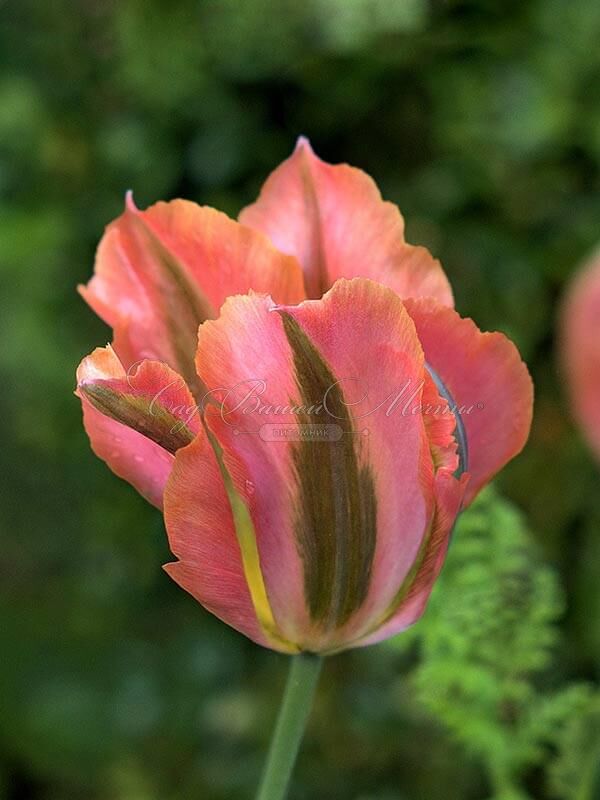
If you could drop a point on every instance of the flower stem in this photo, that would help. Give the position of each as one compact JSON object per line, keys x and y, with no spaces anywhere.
{"x":293,"y":715}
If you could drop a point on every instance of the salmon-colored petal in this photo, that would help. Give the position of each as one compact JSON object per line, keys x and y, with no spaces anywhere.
{"x":489,"y":383}
{"x":236,"y":354}
{"x":414,"y":594}
{"x":159,"y":273}
{"x":202,"y":535}
{"x":339,"y":518}
{"x":580,"y":350}
{"x":363,"y":331}
{"x":333,"y":219}
{"x":136,"y":420}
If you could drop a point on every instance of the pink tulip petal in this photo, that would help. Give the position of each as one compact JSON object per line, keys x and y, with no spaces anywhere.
{"x":243,"y":347}
{"x":485,"y":376}
{"x":332,"y":218}
{"x":415,"y":593}
{"x":202,"y":535}
{"x":161,"y":272}
{"x":365,"y":334}
{"x":136,"y":420}
{"x":360,"y":335}
{"x":580,"y":350}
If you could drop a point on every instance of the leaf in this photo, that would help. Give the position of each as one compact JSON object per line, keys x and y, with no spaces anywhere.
{"x":486,"y":639}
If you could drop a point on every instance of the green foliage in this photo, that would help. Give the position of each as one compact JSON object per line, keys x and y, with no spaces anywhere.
{"x":576,"y":771}
{"x":487,"y":643}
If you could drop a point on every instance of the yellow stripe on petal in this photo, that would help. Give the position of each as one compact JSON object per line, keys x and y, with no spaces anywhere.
{"x":246,"y":537}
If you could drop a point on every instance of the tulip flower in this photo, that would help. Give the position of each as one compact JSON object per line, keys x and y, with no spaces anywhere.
{"x":342,"y":539}
{"x":297,"y":394}
{"x":580,"y":329}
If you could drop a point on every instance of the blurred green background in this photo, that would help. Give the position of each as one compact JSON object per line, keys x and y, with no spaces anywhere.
{"x":481,"y":120}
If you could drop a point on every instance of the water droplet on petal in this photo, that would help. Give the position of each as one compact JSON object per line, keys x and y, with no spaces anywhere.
{"x":250,"y":488}
{"x":138,"y":459}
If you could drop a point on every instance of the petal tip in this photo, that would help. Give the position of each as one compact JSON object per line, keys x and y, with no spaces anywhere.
{"x":100,"y":364}
{"x":130,"y":202}
{"x":303,"y":143}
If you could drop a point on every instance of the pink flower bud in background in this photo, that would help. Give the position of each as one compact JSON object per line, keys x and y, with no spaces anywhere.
{"x":580,"y":350}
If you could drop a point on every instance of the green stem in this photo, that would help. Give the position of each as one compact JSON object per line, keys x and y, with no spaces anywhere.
{"x":293,"y":714}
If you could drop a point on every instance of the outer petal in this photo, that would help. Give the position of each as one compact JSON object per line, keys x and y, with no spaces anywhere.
{"x":161,"y":272}
{"x":580,"y":350}
{"x":333,"y":219}
{"x":414,"y":594}
{"x":202,"y":535}
{"x":243,"y":347}
{"x":359,"y":341}
{"x":136,"y":420}
{"x":488,"y":381}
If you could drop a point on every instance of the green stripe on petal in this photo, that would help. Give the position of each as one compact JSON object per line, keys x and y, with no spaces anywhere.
{"x":336,"y":514}
{"x":141,"y":414}
{"x":183,"y":304}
